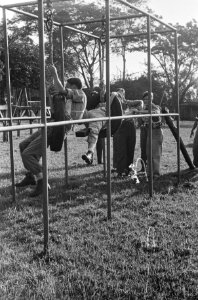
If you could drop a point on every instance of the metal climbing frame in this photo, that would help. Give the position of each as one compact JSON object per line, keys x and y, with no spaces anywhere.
{"x":108,"y":118}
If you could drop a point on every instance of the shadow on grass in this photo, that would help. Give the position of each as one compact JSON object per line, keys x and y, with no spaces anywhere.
{"x":7,"y":175}
{"x":168,"y":183}
{"x":74,"y":166}
{"x":92,"y":187}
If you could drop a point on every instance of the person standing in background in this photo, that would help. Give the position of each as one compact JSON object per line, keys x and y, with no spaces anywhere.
{"x":157,"y":135}
{"x":124,"y":140}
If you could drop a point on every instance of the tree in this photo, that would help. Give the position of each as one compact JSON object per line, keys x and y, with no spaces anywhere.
{"x":135,"y":88}
{"x":81,"y":52}
{"x":85,"y":49}
{"x":24,"y":52}
{"x":164,"y":60}
{"x":163,"y":52}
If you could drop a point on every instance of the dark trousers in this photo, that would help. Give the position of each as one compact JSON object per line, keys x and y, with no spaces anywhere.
{"x":124,"y":141}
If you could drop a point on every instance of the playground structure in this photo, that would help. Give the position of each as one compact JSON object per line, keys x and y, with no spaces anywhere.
{"x":43,"y":125}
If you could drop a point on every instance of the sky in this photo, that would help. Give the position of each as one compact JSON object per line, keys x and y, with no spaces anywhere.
{"x":172,"y":11}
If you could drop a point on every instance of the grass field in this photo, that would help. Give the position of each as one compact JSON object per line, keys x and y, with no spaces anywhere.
{"x":147,"y":251}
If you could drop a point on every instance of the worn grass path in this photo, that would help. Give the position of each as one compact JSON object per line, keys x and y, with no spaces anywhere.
{"x":147,"y":251}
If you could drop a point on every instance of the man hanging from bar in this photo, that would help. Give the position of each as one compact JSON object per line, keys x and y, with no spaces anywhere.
{"x":73,"y":106}
{"x":100,"y":112}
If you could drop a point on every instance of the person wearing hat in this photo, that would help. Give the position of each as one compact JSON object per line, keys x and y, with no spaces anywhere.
{"x":31,"y":147}
{"x":195,"y":142}
{"x":157,"y":135}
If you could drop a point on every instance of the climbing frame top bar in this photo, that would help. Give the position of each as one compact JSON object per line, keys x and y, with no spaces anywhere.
{"x":146,"y":14}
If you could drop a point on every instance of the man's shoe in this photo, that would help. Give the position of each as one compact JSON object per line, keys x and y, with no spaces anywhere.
{"x":39,"y":189}
{"x":27,"y":180}
{"x":88,"y":157}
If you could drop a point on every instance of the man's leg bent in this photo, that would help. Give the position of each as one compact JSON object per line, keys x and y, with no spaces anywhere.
{"x":32,"y":154}
{"x":29,"y":178}
{"x":94,"y":129}
{"x":24,"y":144}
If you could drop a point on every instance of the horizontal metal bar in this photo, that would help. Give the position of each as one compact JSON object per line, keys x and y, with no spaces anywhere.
{"x":83,"y":32}
{"x":20,"y":127}
{"x":81,"y":121}
{"x":139,"y":34}
{"x":146,"y":14}
{"x":104,"y":20}
{"x":30,"y":3}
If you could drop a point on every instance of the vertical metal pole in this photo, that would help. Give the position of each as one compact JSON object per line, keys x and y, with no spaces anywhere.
{"x":44,"y":121}
{"x":103,"y":141}
{"x":108,"y":110}
{"x":178,"y":108}
{"x":8,"y":88}
{"x":62,"y":80}
{"x":61,"y":54}
{"x":101,"y":68}
{"x":100,"y":60}
{"x":150,"y":107}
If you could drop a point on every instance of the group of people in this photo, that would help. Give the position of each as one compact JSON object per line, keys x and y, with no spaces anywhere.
{"x":124,"y":140}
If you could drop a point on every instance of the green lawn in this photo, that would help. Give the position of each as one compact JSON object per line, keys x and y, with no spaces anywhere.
{"x":147,"y":251}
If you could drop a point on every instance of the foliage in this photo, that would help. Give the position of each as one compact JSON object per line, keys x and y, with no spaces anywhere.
{"x":135,"y":88}
{"x":163,"y":52}
{"x":81,"y":52}
{"x":86,"y":49}
{"x":24,"y":51}
{"x":23,"y":58}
